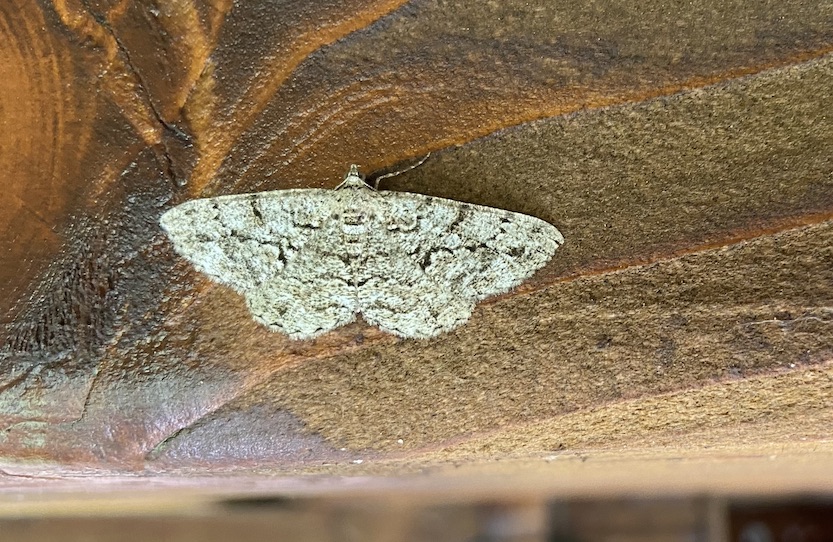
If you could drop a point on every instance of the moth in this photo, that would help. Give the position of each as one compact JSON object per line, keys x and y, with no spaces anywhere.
{"x":310,"y":260}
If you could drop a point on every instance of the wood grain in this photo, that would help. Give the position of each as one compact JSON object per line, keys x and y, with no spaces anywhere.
{"x":683,"y":148}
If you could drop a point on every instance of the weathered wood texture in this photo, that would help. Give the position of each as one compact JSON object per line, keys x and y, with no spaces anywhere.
{"x":683,"y":148}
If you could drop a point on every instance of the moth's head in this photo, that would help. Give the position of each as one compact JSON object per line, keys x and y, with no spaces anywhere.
{"x":353,"y":179}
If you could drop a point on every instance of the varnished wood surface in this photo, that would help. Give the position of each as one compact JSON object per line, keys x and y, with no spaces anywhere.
{"x":682,"y":148}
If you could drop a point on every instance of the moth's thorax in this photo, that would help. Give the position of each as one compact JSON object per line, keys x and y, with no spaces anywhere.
{"x":354,"y":221}
{"x":357,"y":215}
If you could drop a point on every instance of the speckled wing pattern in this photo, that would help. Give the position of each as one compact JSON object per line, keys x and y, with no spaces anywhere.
{"x":309,"y":260}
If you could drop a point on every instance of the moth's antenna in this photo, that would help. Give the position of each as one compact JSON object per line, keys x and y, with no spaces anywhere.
{"x":401,"y":171}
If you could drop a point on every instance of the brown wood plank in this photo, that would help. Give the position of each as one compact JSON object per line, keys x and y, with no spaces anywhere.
{"x":683,"y":148}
